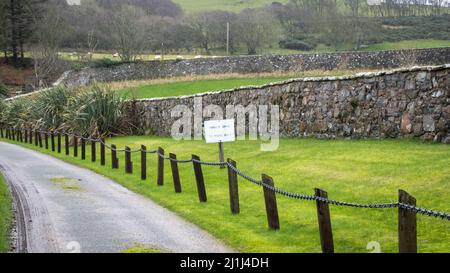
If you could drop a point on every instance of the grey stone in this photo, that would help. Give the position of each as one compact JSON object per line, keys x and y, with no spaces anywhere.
{"x":428,"y":123}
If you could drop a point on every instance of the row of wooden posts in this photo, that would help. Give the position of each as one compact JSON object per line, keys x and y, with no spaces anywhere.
{"x":407,"y":230}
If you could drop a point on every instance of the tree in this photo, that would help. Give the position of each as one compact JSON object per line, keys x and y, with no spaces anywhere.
{"x":128,"y":32}
{"x":19,"y":16}
{"x":4,"y":33}
{"x":48,"y":38}
{"x":202,"y":30}
{"x":256,"y":29}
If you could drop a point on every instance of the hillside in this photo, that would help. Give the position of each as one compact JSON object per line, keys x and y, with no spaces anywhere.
{"x":228,"y":5}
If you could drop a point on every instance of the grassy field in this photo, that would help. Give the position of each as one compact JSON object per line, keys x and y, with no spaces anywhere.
{"x":365,"y":171}
{"x":199,"y":84}
{"x":144,"y":57}
{"x":427,"y":43}
{"x":5,"y":212}
{"x":228,"y":5}
{"x":191,"y":87}
{"x":409,"y":44}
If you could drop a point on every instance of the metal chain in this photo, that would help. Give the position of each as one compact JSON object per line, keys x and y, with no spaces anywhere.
{"x":209,"y":163}
{"x":423,"y":211}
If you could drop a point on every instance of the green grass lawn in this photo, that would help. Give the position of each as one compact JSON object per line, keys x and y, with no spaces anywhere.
{"x":409,"y":44}
{"x":366,"y":171}
{"x":183,"y":88}
{"x":6,"y":214}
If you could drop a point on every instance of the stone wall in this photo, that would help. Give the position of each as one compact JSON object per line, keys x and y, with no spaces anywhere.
{"x":397,"y":103}
{"x":259,"y":64}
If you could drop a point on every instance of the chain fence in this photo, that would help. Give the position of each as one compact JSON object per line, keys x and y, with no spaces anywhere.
{"x":415,"y":209}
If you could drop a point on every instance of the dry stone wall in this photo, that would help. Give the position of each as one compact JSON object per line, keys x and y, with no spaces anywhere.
{"x":397,"y":103}
{"x":258,"y":64}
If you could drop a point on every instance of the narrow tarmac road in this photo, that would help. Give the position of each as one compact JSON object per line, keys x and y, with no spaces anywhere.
{"x":64,"y":208}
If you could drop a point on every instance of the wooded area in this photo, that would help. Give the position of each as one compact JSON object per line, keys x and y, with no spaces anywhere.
{"x":43,"y":28}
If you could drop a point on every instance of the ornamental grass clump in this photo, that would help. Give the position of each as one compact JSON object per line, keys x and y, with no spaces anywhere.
{"x":94,"y":111}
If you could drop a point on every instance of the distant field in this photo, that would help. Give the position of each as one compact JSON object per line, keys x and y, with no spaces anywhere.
{"x":145,"y":57}
{"x":277,"y":50}
{"x":229,"y":5}
{"x":410,"y":44}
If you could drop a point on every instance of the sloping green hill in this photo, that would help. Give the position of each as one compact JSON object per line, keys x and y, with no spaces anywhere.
{"x":229,"y":5}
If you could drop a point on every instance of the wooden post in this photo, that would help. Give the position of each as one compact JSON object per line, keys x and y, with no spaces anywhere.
{"x":52,"y":136}
{"x":128,"y":163}
{"x":21,"y":136}
{"x":59,"y":143}
{"x":46,"y":140}
{"x":114,"y":159}
{"x":221,"y":154}
{"x":31,"y":137}
{"x":233,"y":188}
{"x":199,"y":179}
{"x":35,"y":138}
{"x":102,"y":152}
{"x":175,"y":172}
{"x":83,"y":148}
{"x":40,"y":139}
{"x":75,"y":146}
{"x":323,"y":214}
{"x":25,"y":135}
{"x":93,"y":151}
{"x":66,"y":143}
{"x":143,"y":162}
{"x":271,"y":203}
{"x":407,"y":224}
{"x":160,"y":155}
{"x":1,"y":132}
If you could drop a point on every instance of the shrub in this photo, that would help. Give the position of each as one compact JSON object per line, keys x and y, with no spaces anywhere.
{"x":3,"y":91}
{"x":49,"y":106}
{"x":77,"y":66}
{"x":95,"y":111}
{"x":15,"y":114}
{"x":296,"y":45}
{"x":106,"y":63}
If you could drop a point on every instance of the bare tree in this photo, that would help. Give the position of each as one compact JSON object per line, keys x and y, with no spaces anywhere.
{"x":128,"y":32}
{"x":49,"y":35}
{"x":201,"y":26}
{"x":92,"y":43}
{"x":257,"y":29}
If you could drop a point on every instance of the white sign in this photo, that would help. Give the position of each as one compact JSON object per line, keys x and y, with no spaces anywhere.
{"x":219,"y":131}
